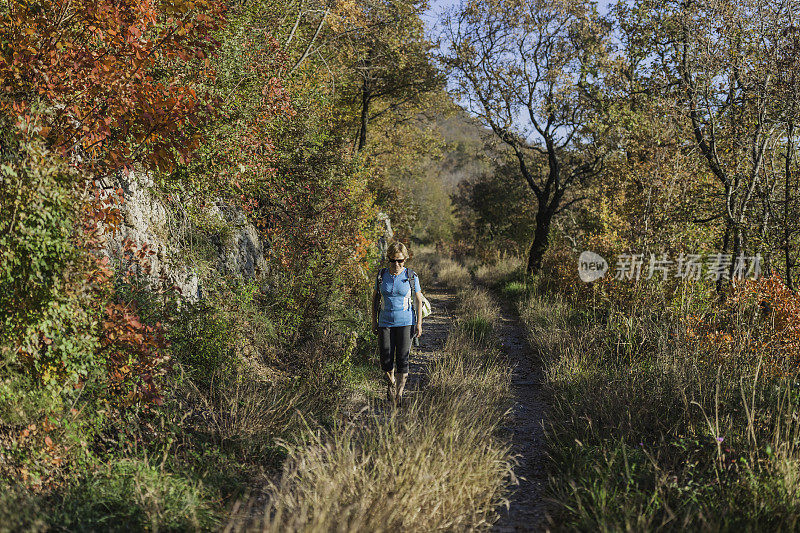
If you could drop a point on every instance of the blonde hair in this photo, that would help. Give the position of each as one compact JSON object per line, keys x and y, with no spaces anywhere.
{"x":395,"y":248}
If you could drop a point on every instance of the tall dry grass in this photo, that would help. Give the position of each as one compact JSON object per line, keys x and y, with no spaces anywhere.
{"x":433,"y":466}
{"x":651,"y":430}
{"x":425,"y":262}
{"x":669,"y":411}
{"x":436,"y":464}
{"x":453,"y":274}
{"x":506,"y":268}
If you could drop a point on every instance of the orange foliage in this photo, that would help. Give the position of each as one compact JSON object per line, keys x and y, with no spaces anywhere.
{"x":52,"y":453}
{"x":83,"y":72}
{"x":134,"y":355}
{"x":760,"y":318}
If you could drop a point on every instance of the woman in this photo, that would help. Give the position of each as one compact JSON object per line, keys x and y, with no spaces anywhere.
{"x":398,"y":321}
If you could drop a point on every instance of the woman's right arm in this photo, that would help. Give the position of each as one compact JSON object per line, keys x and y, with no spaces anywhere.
{"x":375,"y":307}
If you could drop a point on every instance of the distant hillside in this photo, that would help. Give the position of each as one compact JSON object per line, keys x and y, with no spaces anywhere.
{"x":471,"y":149}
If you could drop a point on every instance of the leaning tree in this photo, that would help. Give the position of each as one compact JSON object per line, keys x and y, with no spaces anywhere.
{"x":530,"y":69}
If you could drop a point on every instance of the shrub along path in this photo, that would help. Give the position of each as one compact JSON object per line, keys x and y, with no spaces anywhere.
{"x":528,"y":511}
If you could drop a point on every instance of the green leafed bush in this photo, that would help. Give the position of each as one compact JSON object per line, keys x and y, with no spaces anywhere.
{"x":48,"y":323}
{"x":204,"y":342}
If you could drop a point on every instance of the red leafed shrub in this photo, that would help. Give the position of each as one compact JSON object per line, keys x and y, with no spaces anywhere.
{"x":89,"y":74}
{"x":69,"y":339}
{"x":760,"y":319}
{"x":134,"y":355}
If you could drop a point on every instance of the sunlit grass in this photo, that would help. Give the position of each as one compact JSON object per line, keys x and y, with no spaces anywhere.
{"x":453,"y":274}
{"x":503,"y":270}
{"x":435,"y":464}
{"x":651,"y":431}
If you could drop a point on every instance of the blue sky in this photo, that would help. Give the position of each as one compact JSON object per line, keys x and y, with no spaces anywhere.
{"x":437,"y":6}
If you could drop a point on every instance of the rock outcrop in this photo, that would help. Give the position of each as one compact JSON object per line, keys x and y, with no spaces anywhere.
{"x":147,"y":220}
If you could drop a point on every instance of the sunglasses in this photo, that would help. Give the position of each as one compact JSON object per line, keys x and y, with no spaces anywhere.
{"x":397,"y":261}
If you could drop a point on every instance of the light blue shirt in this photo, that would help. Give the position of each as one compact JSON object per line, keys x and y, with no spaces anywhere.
{"x":397,"y":307}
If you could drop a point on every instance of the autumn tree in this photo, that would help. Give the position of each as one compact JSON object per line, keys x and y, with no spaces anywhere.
{"x":718,"y":63}
{"x":392,"y":59}
{"x":485,"y":214}
{"x":87,"y":89}
{"x":388,"y":92}
{"x":528,"y":70}
{"x":655,"y":193}
{"x":90,"y":75}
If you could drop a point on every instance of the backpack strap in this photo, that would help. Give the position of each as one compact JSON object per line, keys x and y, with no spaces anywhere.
{"x":411,"y":276}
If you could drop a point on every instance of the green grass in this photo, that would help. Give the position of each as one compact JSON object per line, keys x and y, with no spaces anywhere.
{"x":478,"y":329}
{"x":130,"y":495}
{"x":513,"y":289}
{"x":645,"y":434}
{"x":503,"y":272}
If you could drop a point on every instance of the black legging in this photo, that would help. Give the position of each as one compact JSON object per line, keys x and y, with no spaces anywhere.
{"x":395,"y":343}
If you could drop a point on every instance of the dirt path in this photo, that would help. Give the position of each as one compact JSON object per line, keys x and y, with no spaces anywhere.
{"x":435,"y":330}
{"x":528,"y":510}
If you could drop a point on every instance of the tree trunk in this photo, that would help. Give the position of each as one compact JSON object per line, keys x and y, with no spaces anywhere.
{"x":541,"y":239}
{"x":366,"y":96}
{"x":787,"y":198}
{"x":738,"y":240}
{"x":725,"y":243}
